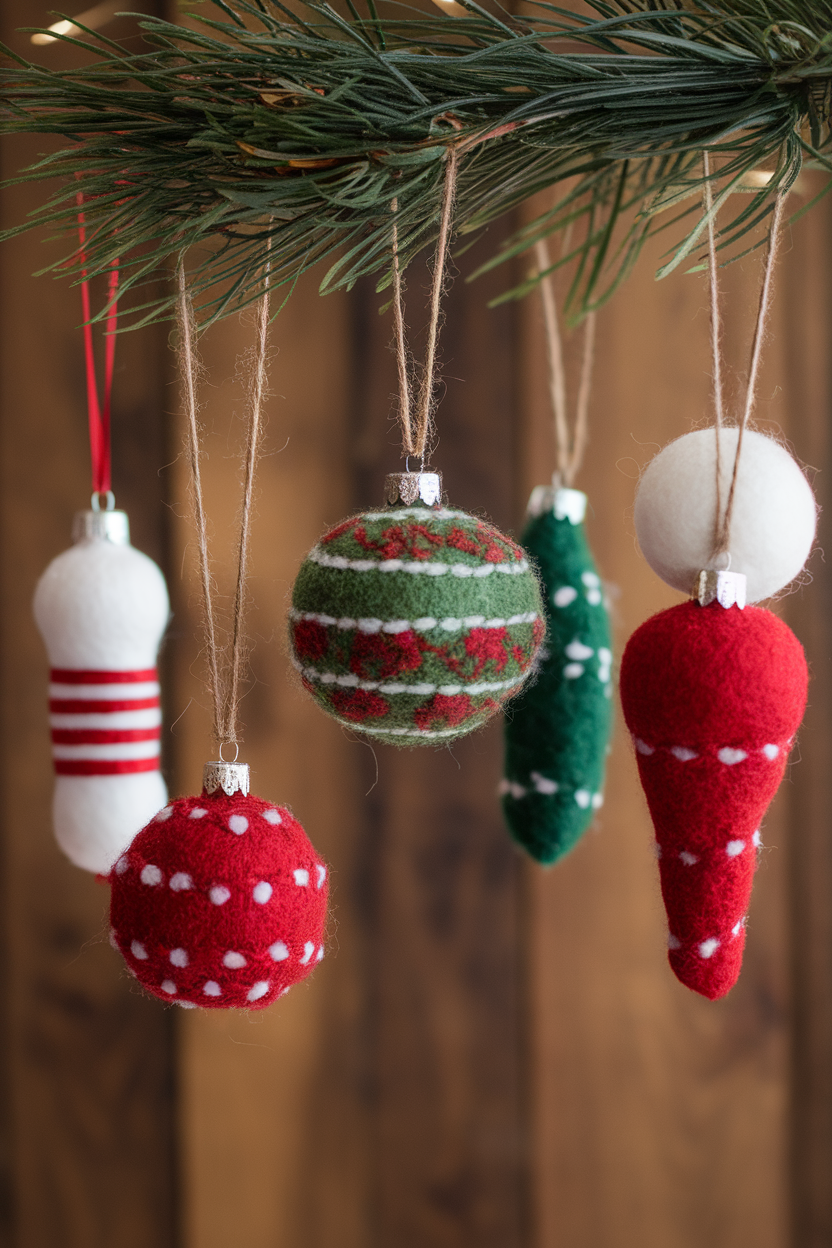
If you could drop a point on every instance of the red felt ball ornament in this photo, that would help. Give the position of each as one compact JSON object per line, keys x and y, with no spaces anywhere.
{"x":220,"y":901}
{"x":713,"y":698}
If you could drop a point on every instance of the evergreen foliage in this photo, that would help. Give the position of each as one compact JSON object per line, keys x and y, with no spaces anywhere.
{"x":257,"y":124}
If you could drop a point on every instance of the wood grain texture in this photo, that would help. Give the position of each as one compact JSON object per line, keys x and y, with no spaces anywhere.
{"x":661,"y":1119}
{"x":87,"y":1070}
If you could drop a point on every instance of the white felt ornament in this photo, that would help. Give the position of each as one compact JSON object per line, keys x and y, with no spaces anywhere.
{"x":773,"y":520}
{"x":102,"y":608}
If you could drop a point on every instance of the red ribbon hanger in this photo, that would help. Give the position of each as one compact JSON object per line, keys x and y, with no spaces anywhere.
{"x":98,"y":411}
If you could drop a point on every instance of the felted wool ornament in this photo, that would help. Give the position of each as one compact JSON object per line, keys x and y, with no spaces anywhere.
{"x":772,"y":522}
{"x":557,"y":730}
{"x":713,"y":698}
{"x":102,"y":608}
{"x":414,"y":624}
{"x":221,"y":900}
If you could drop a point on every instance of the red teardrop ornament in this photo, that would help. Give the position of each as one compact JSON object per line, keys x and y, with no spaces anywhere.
{"x":713,"y":698}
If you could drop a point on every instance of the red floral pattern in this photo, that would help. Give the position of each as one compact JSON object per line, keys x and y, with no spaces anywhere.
{"x":377,"y":656}
{"x":358,"y":704}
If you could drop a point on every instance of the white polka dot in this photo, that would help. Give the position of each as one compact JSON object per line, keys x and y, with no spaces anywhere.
{"x":181,"y":881}
{"x":278,"y":951}
{"x":308,"y":950}
{"x":262,"y":892}
{"x":122,"y":865}
{"x":233,"y":960}
{"x":583,"y":798}
{"x":597,"y":801}
{"x":642,"y":747}
{"x":577,"y":650}
{"x":771,"y":751}
{"x":591,"y":579}
{"x":219,"y":894}
{"x":138,"y":950}
{"x":321,"y":873}
{"x":301,"y":877}
{"x":737,"y":928}
{"x":186,"y":1005}
{"x":178,"y":957}
{"x":113,"y":939}
{"x":657,"y":850}
{"x":164,"y":813}
{"x":319,"y":955}
{"x":729,"y":757}
{"x":708,"y":947}
{"x":757,"y":840}
{"x":688,"y":859}
{"x":683,"y":754}
{"x":198,"y":813}
{"x":272,"y":816}
{"x":593,"y":597}
{"x":563,"y":596}
{"x":573,"y":670}
{"x":543,"y":784}
{"x":285,"y":990}
{"x":734,"y":847}
{"x":212,"y":988}
{"x":168,"y":986}
{"x":151,"y":875}
{"x":258,"y":990}
{"x":673,"y":942}
{"x":238,"y":824}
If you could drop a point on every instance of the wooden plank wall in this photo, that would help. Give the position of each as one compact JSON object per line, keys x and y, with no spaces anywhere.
{"x":490,"y":1055}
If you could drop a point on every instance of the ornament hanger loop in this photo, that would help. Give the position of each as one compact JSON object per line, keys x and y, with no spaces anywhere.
{"x":109,"y":500}
{"x":236,"y":752}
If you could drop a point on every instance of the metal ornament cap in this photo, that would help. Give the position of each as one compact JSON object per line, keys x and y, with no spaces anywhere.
{"x":567,"y":504}
{"x":230,"y":777}
{"x":413,"y":487}
{"x":726,"y":588}
{"x":101,"y":526}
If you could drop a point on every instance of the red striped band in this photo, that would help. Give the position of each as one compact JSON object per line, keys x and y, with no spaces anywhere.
{"x":82,"y":706}
{"x":79,"y":676}
{"x":104,"y":766}
{"x":103,"y":736}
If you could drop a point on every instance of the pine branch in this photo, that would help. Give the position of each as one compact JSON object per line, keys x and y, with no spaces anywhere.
{"x":261,"y":126}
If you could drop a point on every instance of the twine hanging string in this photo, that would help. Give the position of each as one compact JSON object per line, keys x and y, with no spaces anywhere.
{"x":98,"y":408}
{"x":416,"y":427}
{"x":224,"y":677}
{"x":723,"y":527}
{"x":571,"y":448}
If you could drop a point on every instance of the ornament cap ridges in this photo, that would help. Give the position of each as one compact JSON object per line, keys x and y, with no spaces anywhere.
{"x":231,"y":778}
{"x":101,"y":526}
{"x":726,"y":588}
{"x":413,"y":487}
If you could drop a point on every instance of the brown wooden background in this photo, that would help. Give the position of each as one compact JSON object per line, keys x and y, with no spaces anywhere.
{"x":491,"y":1056}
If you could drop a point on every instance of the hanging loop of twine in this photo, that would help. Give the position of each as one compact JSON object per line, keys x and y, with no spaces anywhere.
{"x":225,"y":670}
{"x":722,"y":522}
{"x":416,"y":417}
{"x":571,"y":447}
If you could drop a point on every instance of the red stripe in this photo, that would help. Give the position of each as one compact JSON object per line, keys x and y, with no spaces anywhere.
{"x":103,"y":736}
{"x":83,"y":676}
{"x":80,"y":706}
{"x":104,"y":766}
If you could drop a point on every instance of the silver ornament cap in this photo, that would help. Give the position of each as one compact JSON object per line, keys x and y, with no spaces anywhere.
{"x":567,"y":504}
{"x":230,"y":777}
{"x":726,"y":588}
{"x":413,"y":487}
{"x":101,"y":526}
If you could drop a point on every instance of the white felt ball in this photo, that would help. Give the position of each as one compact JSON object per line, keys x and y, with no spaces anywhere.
{"x":102,"y":608}
{"x":772,"y":524}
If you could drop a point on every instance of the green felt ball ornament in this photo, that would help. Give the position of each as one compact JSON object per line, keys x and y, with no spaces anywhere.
{"x":415,"y":623}
{"x":557,"y":732}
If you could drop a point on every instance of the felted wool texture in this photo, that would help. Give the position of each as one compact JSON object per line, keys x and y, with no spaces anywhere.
{"x":415,"y":624}
{"x":713,"y":699}
{"x":96,"y":817}
{"x":557,"y":730}
{"x":220,"y":902}
{"x":102,"y":609}
{"x":773,"y":521}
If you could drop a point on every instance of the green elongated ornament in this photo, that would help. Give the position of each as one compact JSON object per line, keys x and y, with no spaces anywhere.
{"x":557,"y":731}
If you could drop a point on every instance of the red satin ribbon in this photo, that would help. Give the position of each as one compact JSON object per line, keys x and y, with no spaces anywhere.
{"x":98,"y":411}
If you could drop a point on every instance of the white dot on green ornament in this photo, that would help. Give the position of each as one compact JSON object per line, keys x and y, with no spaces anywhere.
{"x":563,"y":596}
